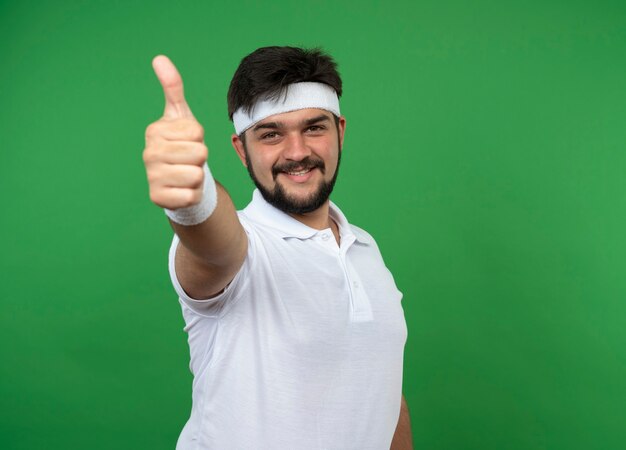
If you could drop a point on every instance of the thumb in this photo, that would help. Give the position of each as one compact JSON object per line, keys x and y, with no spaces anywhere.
{"x":175,"y":104}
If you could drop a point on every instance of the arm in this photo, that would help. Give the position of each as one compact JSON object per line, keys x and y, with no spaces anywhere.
{"x":402,"y":438}
{"x":211,"y":252}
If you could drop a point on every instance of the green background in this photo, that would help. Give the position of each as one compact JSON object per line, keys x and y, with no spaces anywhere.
{"x":484,"y":152}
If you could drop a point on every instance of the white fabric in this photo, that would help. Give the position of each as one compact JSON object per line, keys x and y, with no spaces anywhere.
{"x":303,"y":350}
{"x":195,"y":214}
{"x":297,"y":96}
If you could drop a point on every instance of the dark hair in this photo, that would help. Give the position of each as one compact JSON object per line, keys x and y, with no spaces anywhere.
{"x":266,"y":72}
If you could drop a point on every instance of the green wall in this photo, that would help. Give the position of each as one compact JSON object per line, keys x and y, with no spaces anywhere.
{"x":484,"y":151}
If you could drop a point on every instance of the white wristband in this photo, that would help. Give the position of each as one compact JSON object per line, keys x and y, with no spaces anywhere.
{"x":195,"y":214}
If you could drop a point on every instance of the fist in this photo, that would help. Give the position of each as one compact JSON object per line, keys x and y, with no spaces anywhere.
{"x":175,"y":152}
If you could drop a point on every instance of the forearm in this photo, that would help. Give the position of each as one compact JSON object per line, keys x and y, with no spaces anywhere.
{"x":402,"y":438}
{"x":211,"y":253}
{"x":216,"y":240}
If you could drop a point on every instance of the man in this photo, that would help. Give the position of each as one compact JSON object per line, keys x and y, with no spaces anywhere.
{"x":295,"y":326}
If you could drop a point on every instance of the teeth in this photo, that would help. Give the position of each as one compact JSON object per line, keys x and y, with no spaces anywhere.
{"x":302,"y":172}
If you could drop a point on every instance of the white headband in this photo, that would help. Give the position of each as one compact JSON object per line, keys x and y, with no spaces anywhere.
{"x":297,"y":96}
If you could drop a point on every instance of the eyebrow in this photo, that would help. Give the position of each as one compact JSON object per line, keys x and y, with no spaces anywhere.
{"x":278,"y":125}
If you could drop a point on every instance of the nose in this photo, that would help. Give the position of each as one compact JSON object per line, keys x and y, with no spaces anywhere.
{"x":296,"y":148}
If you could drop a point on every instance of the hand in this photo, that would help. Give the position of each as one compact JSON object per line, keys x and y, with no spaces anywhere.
{"x":175,"y":152}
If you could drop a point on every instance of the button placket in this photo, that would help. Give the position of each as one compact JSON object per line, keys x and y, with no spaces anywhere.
{"x":362,"y":311}
{"x":359,"y":300}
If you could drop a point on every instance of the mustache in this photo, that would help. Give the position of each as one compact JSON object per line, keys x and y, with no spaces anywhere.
{"x":307,"y":163}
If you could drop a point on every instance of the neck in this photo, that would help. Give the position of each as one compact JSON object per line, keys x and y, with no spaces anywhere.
{"x":318,"y":219}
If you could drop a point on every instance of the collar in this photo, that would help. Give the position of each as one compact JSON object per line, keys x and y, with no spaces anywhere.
{"x":260,"y":211}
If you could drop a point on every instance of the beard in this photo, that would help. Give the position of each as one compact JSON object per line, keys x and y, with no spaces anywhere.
{"x":281,"y":200}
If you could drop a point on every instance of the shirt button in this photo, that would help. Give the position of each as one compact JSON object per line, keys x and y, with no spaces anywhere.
{"x":355,"y":284}
{"x":325,"y":236}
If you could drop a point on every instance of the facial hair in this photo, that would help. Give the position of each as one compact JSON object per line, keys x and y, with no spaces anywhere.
{"x":281,"y":200}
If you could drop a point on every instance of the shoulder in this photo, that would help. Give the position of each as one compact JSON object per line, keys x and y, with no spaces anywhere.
{"x":362,"y":235}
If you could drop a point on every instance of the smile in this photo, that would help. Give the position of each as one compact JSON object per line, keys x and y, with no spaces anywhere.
{"x":301,"y":176}
{"x":299,"y":173}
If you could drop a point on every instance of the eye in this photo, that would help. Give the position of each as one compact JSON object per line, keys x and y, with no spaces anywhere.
{"x":270,"y":135}
{"x":316,"y":128}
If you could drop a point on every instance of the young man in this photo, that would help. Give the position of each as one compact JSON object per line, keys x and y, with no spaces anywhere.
{"x":295,"y":326}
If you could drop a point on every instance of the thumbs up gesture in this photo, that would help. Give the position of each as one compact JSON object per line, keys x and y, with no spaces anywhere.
{"x":175,"y":152}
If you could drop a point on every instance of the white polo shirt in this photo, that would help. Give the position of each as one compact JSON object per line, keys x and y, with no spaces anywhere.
{"x":304,"y":349}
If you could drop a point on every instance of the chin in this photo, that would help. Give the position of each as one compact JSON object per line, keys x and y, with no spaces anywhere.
{"x":290,"y":202}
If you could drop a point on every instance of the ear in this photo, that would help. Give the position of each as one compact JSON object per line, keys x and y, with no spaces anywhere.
{"x":342,"y":129}
{"x":238,"y":146}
